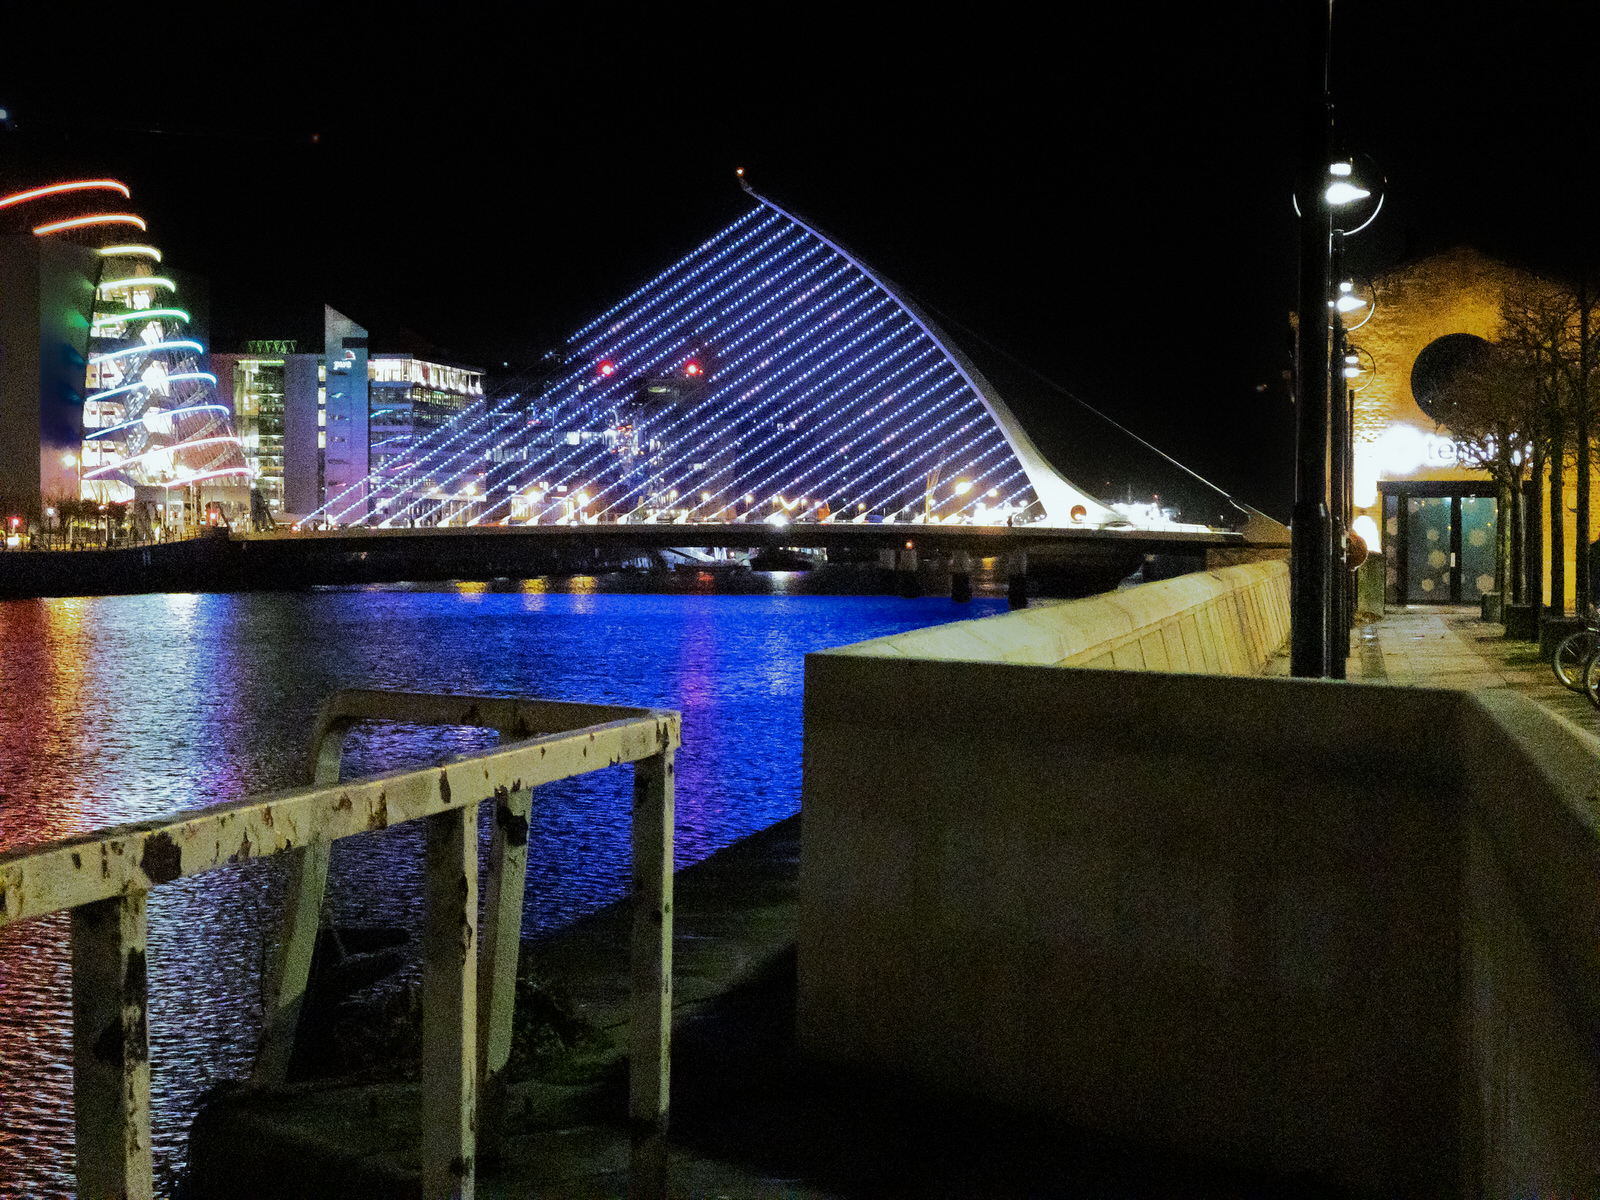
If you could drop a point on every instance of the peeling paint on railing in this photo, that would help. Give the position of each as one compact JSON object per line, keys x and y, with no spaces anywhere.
{"x":104,"y":876}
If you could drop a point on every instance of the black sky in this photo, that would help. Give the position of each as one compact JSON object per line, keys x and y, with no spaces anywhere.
{"x":1106,"y":196}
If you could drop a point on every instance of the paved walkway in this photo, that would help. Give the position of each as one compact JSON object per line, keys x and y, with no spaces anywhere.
{"x":1450,"y":647}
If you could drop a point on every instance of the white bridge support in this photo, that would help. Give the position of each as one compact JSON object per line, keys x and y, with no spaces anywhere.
{"x":103,"y":878}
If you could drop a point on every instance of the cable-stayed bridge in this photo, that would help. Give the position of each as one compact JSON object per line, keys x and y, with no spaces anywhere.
{"x":771,"y":378}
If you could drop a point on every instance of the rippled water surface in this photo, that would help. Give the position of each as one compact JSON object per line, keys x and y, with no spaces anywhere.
{"x":122,"y":708}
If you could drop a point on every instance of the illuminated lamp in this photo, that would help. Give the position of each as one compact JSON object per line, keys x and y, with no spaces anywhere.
{"x":607,"y":369}
{"x":84,"y":222}
{"x":691,"y":368}
{"x":1348,"y":301}
{"x":1342,"y":191}
{"x":1366,"y":529}
{"x":55,"y":189}
{"x":963,"y":487}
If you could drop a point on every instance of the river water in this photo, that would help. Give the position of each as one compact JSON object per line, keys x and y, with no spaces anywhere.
{"x":118,"y":709}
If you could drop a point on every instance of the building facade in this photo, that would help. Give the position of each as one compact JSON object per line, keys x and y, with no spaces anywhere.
{"x":1435,"y":518}
{"x":103,"y":392}
{"x":263,"y":385}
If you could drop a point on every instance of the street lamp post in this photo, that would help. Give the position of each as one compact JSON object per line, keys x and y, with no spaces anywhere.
{"x":1319,"y":632}
{"x":1310,"y":545}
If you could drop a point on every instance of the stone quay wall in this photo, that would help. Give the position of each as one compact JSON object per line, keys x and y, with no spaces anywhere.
{"x":1229,"y":621}
{"x":1344,"y":929}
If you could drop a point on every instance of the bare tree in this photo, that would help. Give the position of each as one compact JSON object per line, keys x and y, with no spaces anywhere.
{"x":1540,"y":334}
{"x":1491,"y":407}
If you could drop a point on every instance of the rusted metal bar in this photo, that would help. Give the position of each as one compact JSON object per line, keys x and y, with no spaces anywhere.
{"x":650,"y":1031}
{"x":501,"y":935}
{"x":289,"y":971}
{"x":104,"y":876}
{"x":449,"y":1004}
{"x":111,"y":1049}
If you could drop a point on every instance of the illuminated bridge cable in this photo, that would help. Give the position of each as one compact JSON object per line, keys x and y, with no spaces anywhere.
{"x":785,"y":313}
{"x":693,"y":292}
{"x":768,"y":367}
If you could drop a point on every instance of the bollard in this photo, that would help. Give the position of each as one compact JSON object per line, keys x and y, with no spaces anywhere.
{"x":1017,"y":579}
{"x":910,"y":585}
{"x":961,"y":577}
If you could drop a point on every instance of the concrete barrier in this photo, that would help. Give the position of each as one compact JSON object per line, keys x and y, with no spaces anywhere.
{"x":1340,"y":929}
{"x":1227,"y":621}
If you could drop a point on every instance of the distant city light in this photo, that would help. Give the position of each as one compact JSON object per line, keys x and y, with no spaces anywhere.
{"x":142,"y":348}
{"x":55,"y":189}
{"x":84,"y":222}
{"x":691,"y":368}
{"x":607,"y":369}
{"x":139,"y":281}
{"x":140,"y":314}
{"x":130,"y":252}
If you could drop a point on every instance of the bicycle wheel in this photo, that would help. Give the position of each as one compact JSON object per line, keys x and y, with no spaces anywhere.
{"x":1591,"y":679}
{"x":1571,"y":656}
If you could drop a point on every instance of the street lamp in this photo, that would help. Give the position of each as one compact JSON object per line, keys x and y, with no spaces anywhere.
{"x":1329,"y":186}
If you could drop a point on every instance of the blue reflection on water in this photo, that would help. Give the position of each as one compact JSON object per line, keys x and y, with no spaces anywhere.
{"x":122,"y":708}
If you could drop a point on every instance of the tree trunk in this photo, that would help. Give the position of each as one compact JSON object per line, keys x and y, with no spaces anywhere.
{"x":1515,"y":591}
{"x":1533,"y":536}
{"x":1502,"y":540}
{"x":1580,"y":546}
{"x":1558,"y":530}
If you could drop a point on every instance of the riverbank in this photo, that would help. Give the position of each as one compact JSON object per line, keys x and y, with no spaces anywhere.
{"x":750,"y":1116}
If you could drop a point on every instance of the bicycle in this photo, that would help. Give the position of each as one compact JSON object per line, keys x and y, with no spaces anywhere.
{"x":1591,"y":678}
{"x":1575,"y":653}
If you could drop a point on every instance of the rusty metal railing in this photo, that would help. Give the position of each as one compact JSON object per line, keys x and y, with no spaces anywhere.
{"x":469,"y":975}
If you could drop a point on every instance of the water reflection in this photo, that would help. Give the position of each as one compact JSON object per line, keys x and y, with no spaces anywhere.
{"x":122,"y":708}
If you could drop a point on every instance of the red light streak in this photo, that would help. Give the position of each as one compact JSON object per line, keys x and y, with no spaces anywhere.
{"x":55,"y":189}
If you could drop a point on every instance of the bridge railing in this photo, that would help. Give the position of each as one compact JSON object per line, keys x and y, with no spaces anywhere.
{"x":469,"y":974}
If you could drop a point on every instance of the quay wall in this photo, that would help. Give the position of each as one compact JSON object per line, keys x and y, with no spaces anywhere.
{"x":1341,"y":929}
{"x":1229,"y":621}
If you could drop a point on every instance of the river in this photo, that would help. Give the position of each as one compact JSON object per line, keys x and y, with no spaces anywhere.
{"x":117,"y":709}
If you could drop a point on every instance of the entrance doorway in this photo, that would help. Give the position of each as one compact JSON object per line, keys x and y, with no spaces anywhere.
{"x":1439,"y":542}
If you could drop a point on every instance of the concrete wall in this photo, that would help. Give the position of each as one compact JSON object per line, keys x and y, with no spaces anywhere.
{"x":1341,"y":929}
{"x":1228,"y":621}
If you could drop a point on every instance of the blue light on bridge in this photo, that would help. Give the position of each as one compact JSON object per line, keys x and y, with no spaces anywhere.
{"x":768,"y":374}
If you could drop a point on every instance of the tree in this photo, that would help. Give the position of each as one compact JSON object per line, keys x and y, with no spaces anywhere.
{"x":1550,"y":331}
{"x":1490,"y":406}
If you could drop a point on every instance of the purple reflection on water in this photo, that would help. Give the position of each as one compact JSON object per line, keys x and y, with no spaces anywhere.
{"x":122,"y":708}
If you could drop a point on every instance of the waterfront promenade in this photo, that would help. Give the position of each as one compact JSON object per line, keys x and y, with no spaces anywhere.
{"x":750,"y":1116}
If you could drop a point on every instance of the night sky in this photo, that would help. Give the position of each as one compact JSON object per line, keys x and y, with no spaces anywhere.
{"x":1105,"y":197}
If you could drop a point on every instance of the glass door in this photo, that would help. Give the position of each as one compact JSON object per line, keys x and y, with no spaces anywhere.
{"x":1428,"y":560}
{"x":1477,"y":540}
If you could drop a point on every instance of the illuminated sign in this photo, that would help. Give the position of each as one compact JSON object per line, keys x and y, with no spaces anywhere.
{"x":271,"y":347}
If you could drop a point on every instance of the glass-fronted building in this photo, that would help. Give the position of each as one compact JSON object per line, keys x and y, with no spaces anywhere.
{"x":107,"y":398}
